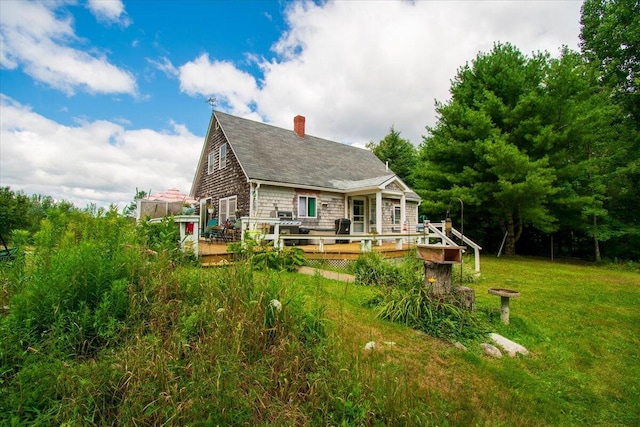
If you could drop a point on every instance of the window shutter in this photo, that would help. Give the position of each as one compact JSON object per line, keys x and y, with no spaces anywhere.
{"x":312,"y":207}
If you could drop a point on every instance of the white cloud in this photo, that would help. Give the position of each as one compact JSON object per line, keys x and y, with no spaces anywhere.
{"x":356,"y":68}
{"x":94,"y":162}
{"x":230,"y":85}
{"x":32,"y":36}
{"x":164,"y":65}
{"x":109,"y":11}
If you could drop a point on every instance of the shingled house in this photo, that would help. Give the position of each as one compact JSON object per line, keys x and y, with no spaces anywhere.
{"x":253,"y":169}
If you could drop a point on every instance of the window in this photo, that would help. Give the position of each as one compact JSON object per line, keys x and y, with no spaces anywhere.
{"x":306,"y":207}
{"x":397,"y":212}
{"x":210,"y":162}
{"x":223,"y":156}
{"x":227,"y":209}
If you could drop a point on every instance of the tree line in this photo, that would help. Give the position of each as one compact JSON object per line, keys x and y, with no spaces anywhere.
{"x":544,"y":152}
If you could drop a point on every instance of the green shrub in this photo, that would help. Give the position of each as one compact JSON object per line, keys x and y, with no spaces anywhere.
{"x":371,"y":269}
{"x":263,"y":255}
{"x":76,"y":297}
{"x":109,"y":327}
{"x":163,"y":238}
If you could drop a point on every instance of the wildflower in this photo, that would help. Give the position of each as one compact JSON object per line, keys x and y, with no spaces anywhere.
{"x":276,"y":304}
{"x":370,"y":345}
{"x":431,"y":280}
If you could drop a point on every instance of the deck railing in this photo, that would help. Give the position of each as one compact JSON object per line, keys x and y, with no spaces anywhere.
{"x":433,"y":233}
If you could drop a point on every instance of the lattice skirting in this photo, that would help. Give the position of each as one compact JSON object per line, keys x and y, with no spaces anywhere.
{"x":335,"y":263}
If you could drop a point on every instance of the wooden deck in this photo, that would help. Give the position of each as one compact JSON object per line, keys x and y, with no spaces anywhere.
{"x":326,"y":249}
{"x":215,"y":253}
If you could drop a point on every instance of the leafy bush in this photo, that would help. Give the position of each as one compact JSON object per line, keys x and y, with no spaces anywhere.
{"x":264,"y":256}
{"x":74,"y":293}
{"x":163,"y":238}
{"x":372,"y":269}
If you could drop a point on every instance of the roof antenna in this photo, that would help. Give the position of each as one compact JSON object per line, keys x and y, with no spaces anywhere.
{"x":211,"y":101}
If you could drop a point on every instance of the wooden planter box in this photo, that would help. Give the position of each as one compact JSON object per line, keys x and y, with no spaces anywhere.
{"x":440,"y":254}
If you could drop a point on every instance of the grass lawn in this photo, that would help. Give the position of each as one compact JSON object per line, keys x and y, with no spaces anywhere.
{"x":581,"y":324}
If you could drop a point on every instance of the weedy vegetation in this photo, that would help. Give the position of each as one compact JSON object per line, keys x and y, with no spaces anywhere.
{"x":107,"y":323}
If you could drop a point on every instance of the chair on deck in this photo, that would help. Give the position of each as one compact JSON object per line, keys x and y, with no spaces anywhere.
{"x":210,"y":231}
{"x":228,"y":231}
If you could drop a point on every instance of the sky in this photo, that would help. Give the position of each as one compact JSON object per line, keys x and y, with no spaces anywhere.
{"x":101,"y":98}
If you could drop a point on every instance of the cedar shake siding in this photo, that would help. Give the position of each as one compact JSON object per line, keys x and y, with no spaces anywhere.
{"x":226,"y":182}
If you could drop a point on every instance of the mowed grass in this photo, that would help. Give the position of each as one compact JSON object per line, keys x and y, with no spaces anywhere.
{"x":581,"y":324}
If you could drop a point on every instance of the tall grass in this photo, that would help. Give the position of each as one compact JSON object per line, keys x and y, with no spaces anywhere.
{"x":111,"y":326}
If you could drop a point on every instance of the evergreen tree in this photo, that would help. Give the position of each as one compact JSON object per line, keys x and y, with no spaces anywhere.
{"x":610,"y":37}
{"x":14,"y":208}
{"x":484,"y":149}
{"x":399,"y":152}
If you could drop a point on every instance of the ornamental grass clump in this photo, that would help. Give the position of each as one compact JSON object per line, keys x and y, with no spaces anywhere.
{"x":401,"y":296}
{"x":414,"y":307}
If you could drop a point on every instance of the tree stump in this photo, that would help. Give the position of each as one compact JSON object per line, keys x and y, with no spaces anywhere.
{"x":437,"y":278}
{"x":465,"y":297}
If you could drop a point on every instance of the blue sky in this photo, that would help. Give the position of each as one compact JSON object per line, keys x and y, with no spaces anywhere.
{"x":98,"y":98}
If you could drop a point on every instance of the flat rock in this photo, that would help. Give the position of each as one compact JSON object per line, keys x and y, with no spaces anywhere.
{"x":490,"y":350}
{"x":509,"y":346}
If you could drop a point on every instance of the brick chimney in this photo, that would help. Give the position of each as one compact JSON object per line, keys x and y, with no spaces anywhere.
{"x":298,"y":125}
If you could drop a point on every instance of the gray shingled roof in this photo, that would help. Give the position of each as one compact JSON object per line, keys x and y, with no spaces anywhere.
{"x":270,"y":153}
{"x":274,"y":154}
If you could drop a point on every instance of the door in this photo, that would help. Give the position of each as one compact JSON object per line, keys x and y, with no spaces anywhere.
{"x":358,"y":215}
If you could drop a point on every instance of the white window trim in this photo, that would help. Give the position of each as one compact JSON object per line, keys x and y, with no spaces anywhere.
{"x":397,"y":215}
{"x":307,"y":207}
{"x":223,"y":159}
{"x":211,"y":158}
{"x":232,"y":204}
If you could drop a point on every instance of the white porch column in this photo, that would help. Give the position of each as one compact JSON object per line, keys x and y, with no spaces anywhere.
{"x":403,"y":211}
{"x":253,"y":199}
{"x":251,"y":190}
{"x":346,"y":207}
{"x":379,"y":211}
